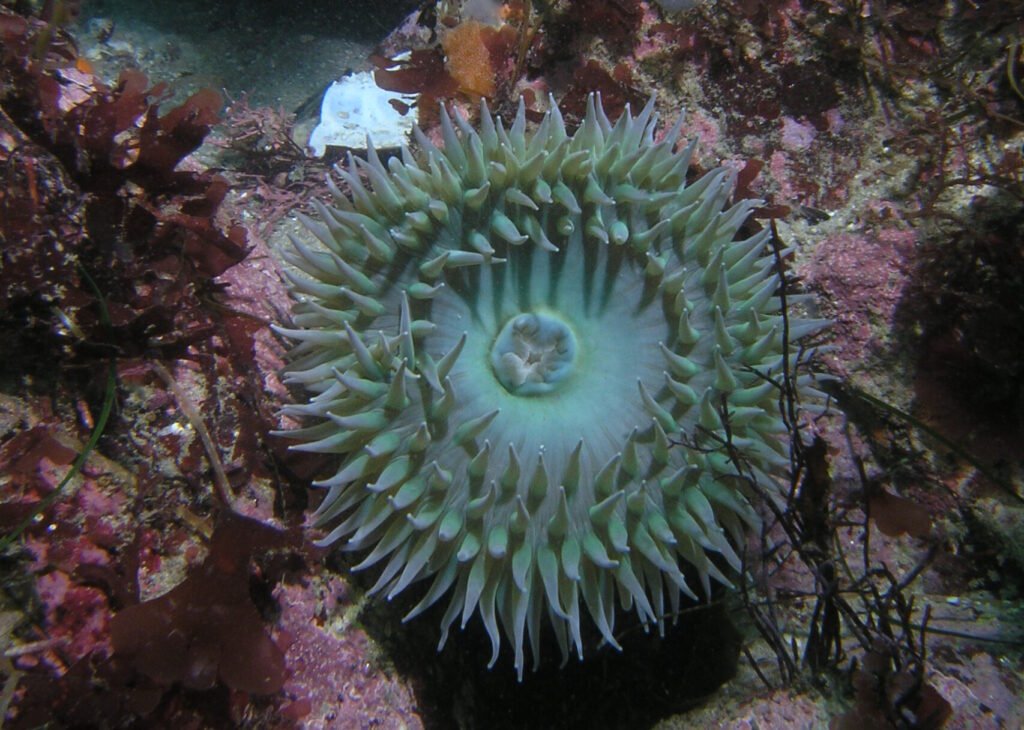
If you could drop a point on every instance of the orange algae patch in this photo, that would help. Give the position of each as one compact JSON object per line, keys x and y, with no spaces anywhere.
{"x":468,"y":59}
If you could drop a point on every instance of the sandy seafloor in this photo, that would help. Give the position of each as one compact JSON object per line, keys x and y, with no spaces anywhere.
{"x":842,"y":148}
{"x":277,"y":53}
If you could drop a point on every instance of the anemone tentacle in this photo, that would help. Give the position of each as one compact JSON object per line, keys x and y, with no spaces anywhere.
{"x":522,"y":345}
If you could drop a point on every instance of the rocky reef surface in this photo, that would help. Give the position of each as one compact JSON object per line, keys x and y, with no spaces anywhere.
{"x":157,"y":566}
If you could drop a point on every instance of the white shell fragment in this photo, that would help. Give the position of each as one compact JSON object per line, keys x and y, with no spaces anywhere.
{"x":355,"y":107}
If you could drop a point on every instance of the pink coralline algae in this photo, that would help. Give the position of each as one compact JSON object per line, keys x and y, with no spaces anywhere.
{"x":77,"y":615}
{"x":332,"y":679}
{"x":797,"y":135}
{"x":863,"y":278}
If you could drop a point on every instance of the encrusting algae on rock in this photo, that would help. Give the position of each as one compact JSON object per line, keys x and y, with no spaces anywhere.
{"x":541,"y":355}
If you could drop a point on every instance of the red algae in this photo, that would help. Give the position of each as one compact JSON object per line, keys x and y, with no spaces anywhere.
{"x":207,"y":628}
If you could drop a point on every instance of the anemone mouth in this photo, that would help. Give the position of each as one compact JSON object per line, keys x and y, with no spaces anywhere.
{"x":557,"y":346}
{"x":540,"y":355}
{"x":534,"y":353}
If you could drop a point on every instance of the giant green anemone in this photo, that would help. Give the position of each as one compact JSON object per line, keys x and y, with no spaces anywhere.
{"x":543,"y":359}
